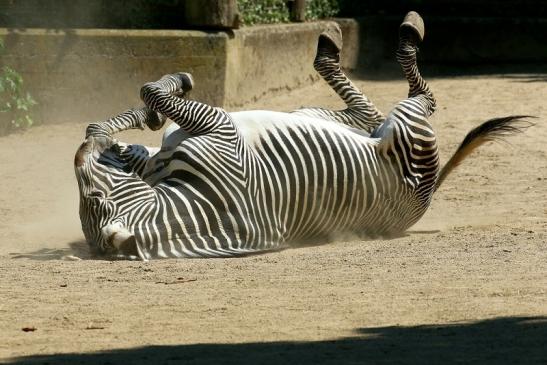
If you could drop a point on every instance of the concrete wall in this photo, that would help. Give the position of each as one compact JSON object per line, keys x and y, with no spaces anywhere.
{"x":86,"y":75}
{"x":92,"y":74}
{"x":264,"y":60}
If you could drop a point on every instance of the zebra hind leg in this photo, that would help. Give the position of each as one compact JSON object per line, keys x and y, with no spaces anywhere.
{"x":411,"y":32}
{"x":327,"y":64}
{"x":361,"y":113}
{"x":406,"y":135}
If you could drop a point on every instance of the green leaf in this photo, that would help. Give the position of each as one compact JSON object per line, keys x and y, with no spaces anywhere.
{"x":14,"y":100}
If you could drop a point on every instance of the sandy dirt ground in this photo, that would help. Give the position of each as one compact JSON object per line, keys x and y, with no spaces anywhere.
{"x":467,"y":284}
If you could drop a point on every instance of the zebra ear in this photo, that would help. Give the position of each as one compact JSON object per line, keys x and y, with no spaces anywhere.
{"x":123,"y":241}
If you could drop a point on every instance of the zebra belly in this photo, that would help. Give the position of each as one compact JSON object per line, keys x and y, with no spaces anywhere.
{"x":322,"y":177}
{"x":294,"y":179}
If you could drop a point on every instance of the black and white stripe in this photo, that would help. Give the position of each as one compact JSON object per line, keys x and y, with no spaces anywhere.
{"x":231,"y":184}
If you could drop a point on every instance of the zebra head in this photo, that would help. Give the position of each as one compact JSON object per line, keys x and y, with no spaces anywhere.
{"x":102,"y":174}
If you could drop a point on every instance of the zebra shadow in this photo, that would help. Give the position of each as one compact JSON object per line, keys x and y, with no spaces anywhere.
{"x":79,"y":250}
{"x":527,"y":78}
{"x":76,"y":250}
{"x":421,"y":231}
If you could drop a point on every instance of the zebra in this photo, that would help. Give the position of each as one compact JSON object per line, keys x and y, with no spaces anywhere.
{"x":231,"y":184}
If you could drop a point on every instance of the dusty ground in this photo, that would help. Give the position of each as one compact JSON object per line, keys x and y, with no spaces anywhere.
{"x":468,"y":283}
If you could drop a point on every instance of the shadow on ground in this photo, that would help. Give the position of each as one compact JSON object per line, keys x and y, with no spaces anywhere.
{"x":390,"y":70}
{"x":78,"y":249}
{"x":512,"y":340}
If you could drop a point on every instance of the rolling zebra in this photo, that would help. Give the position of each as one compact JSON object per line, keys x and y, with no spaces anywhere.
{"x":228,"y":184}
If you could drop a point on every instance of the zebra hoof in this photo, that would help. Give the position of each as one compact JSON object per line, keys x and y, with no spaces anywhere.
{"x":330,"y":41}
{"x":154,"y":120}
{"x":413,"y":24}
{"x":187,"y":83}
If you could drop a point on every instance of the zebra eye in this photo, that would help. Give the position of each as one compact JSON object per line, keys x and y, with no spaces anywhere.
{"x":96,"y":194}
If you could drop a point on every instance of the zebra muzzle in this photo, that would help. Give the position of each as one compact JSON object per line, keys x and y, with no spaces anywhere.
{"x":123,"y":241}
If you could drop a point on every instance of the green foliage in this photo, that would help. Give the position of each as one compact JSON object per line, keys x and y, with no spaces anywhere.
{"x":263,"y":11}
{"x":15,"y":102}
{"x":319,"y":9}
{"x":276,"y":11}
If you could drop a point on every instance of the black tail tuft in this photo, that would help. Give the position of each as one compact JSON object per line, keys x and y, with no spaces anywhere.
{"x":492,"y":130}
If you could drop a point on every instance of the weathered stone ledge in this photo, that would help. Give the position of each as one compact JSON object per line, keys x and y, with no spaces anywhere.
{"x":91,"y":74}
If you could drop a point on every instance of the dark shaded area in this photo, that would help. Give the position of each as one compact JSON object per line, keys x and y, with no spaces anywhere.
{"x":513,"y":340}
{"x":389,"y":69}
{"x":459,"y":8}
{"x":172,"y":14}
{"x":77,"y":248}
{"x":482,"y":44}
{"x":458,"y":32}
{"x":60,"y":14}
{"x":527,"y":78}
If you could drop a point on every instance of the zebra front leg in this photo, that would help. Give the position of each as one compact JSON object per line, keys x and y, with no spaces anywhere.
{"x":130,"y":119}
{"x":411,"y":32}
{"x":193,"y":117}
{"x":99,"y":136}
{"x":361,"y":112}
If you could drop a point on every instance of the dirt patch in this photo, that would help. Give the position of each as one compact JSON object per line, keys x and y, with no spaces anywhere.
{"x":468,"y":282}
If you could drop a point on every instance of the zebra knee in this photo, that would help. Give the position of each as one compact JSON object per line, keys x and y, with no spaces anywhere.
{"x":152,"y":119}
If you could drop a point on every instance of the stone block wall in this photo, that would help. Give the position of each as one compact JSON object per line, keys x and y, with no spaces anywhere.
{"x":272,"y":59}
{"x":91,"y":74}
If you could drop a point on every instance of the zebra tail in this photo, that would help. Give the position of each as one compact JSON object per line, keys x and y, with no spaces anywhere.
{"x":492,"y":130}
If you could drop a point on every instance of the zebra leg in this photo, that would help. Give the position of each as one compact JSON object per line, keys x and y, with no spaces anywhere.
{"x":361,"y":112}
{"x":134,"y":156}
{"x":130,"y":119}
{"x":411,"y":32}
{"x":327,"y":64}
{"x":163,"y":96}
{"x":406,"y":139}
